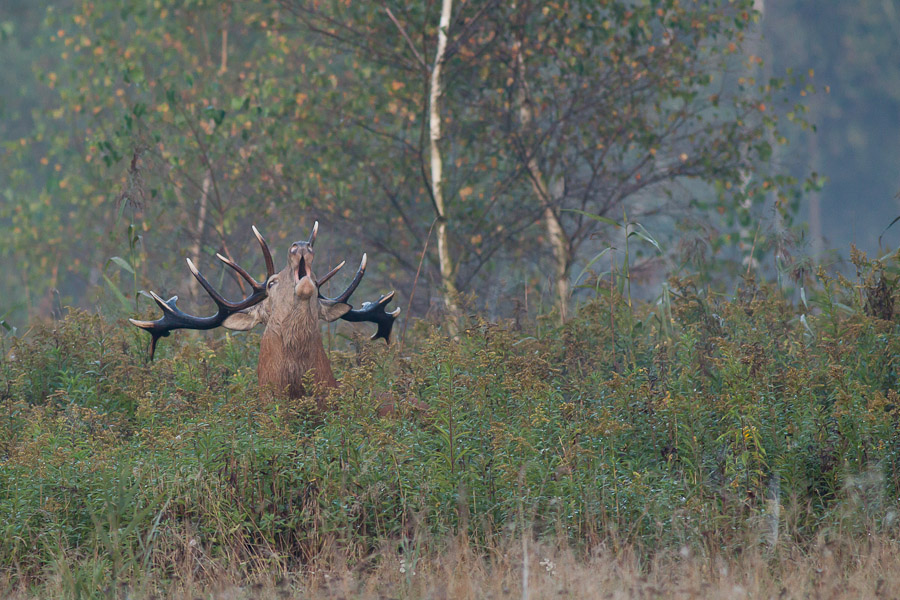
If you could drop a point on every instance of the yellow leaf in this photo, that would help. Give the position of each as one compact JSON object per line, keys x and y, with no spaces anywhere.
{"x":397,"y":85}
{"x":466,"y":192}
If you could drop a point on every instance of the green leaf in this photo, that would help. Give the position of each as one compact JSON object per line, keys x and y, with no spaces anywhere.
{"x":642,"y":233}
{"x":806,"y":325}
{"x":591,"y":262}
{"x":122,"y":263}
{"x":896,"y":219}
{"x":7,"y":28}
{"x":606,"y":220}
{"x":118,"y":294}
{"x":218,"y":115}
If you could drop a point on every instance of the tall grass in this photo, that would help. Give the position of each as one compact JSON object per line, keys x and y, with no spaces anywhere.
{"x":703,"y":431}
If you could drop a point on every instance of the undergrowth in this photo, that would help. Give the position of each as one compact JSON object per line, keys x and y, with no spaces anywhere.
{"x":703,"y":425}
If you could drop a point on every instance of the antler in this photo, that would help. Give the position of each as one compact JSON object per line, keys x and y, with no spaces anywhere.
{"x":345,"y":295}
{"x":374,"y":312}
{"x":330,"y":274}
{"x":174,"y":318}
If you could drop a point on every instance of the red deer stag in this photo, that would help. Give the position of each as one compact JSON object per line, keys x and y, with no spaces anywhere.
{"x":290,"y":305}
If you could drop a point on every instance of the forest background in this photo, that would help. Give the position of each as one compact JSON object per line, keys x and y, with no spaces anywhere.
{"x":135,"y":134}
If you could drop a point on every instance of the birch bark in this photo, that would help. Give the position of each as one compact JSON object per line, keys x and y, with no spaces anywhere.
{"x":555,"y":232}
{"x":437,"y":176}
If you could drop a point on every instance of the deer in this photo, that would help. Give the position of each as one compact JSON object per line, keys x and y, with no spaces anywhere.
{"x":290,"y":304}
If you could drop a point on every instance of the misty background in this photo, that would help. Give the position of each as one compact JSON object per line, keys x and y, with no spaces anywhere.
{"x":89,"y":217}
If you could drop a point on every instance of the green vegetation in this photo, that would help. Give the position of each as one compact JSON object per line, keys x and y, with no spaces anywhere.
{"x":679,"y":426}
{"x":501,"y":163}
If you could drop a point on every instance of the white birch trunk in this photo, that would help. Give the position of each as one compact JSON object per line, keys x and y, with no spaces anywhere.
{"x":437,"y":176}
{"x":198,"y":232}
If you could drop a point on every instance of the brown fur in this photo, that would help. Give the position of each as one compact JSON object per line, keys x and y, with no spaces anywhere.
{"x":287,"y":352}
{"x":291,"y":352}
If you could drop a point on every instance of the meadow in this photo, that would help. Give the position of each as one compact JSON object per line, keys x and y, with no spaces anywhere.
{"x":704,"y":445}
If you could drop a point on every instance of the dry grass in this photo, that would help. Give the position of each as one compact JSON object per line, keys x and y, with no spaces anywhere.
{"x":827,"y":571}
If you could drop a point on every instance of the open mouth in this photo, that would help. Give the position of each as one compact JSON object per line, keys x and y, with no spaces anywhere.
{"x":303,"y":269}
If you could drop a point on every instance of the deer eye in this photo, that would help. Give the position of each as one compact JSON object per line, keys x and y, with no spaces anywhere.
{"x":272,"y":283}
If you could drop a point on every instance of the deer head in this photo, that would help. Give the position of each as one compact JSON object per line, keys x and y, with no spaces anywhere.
{"x":290,"y":306}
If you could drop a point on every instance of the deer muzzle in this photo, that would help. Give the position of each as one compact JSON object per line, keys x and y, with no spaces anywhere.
{"x":301,"y":258}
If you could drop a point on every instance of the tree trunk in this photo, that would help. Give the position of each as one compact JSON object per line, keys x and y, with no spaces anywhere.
{"x":198,"y":232}
{"x":558,"y":240}
{"x":437,"y":177}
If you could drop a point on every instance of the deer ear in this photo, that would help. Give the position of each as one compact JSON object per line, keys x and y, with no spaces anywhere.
{"x":332,"y":311}
{"x":244,"y":320}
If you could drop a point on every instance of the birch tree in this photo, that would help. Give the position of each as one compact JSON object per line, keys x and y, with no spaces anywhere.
{"x":436,"y":92}
{"x":397,"y":140}
{"x":549,"y":201}
{"x":617,"y":107}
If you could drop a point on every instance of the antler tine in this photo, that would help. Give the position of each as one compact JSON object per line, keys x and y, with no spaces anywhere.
{"x":240,"y":271}
{"x":383,"y":301}
{"x":353,"y":284}
{"x":330,"y":274}
{"x":312,"y":236}
{"x":216,"y":296}
{"x":220,"y":300}
{"x":270,"y":265}
{"x":163,"y":304}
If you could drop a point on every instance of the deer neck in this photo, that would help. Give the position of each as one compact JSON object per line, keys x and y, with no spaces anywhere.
{"x":287,"y":353}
